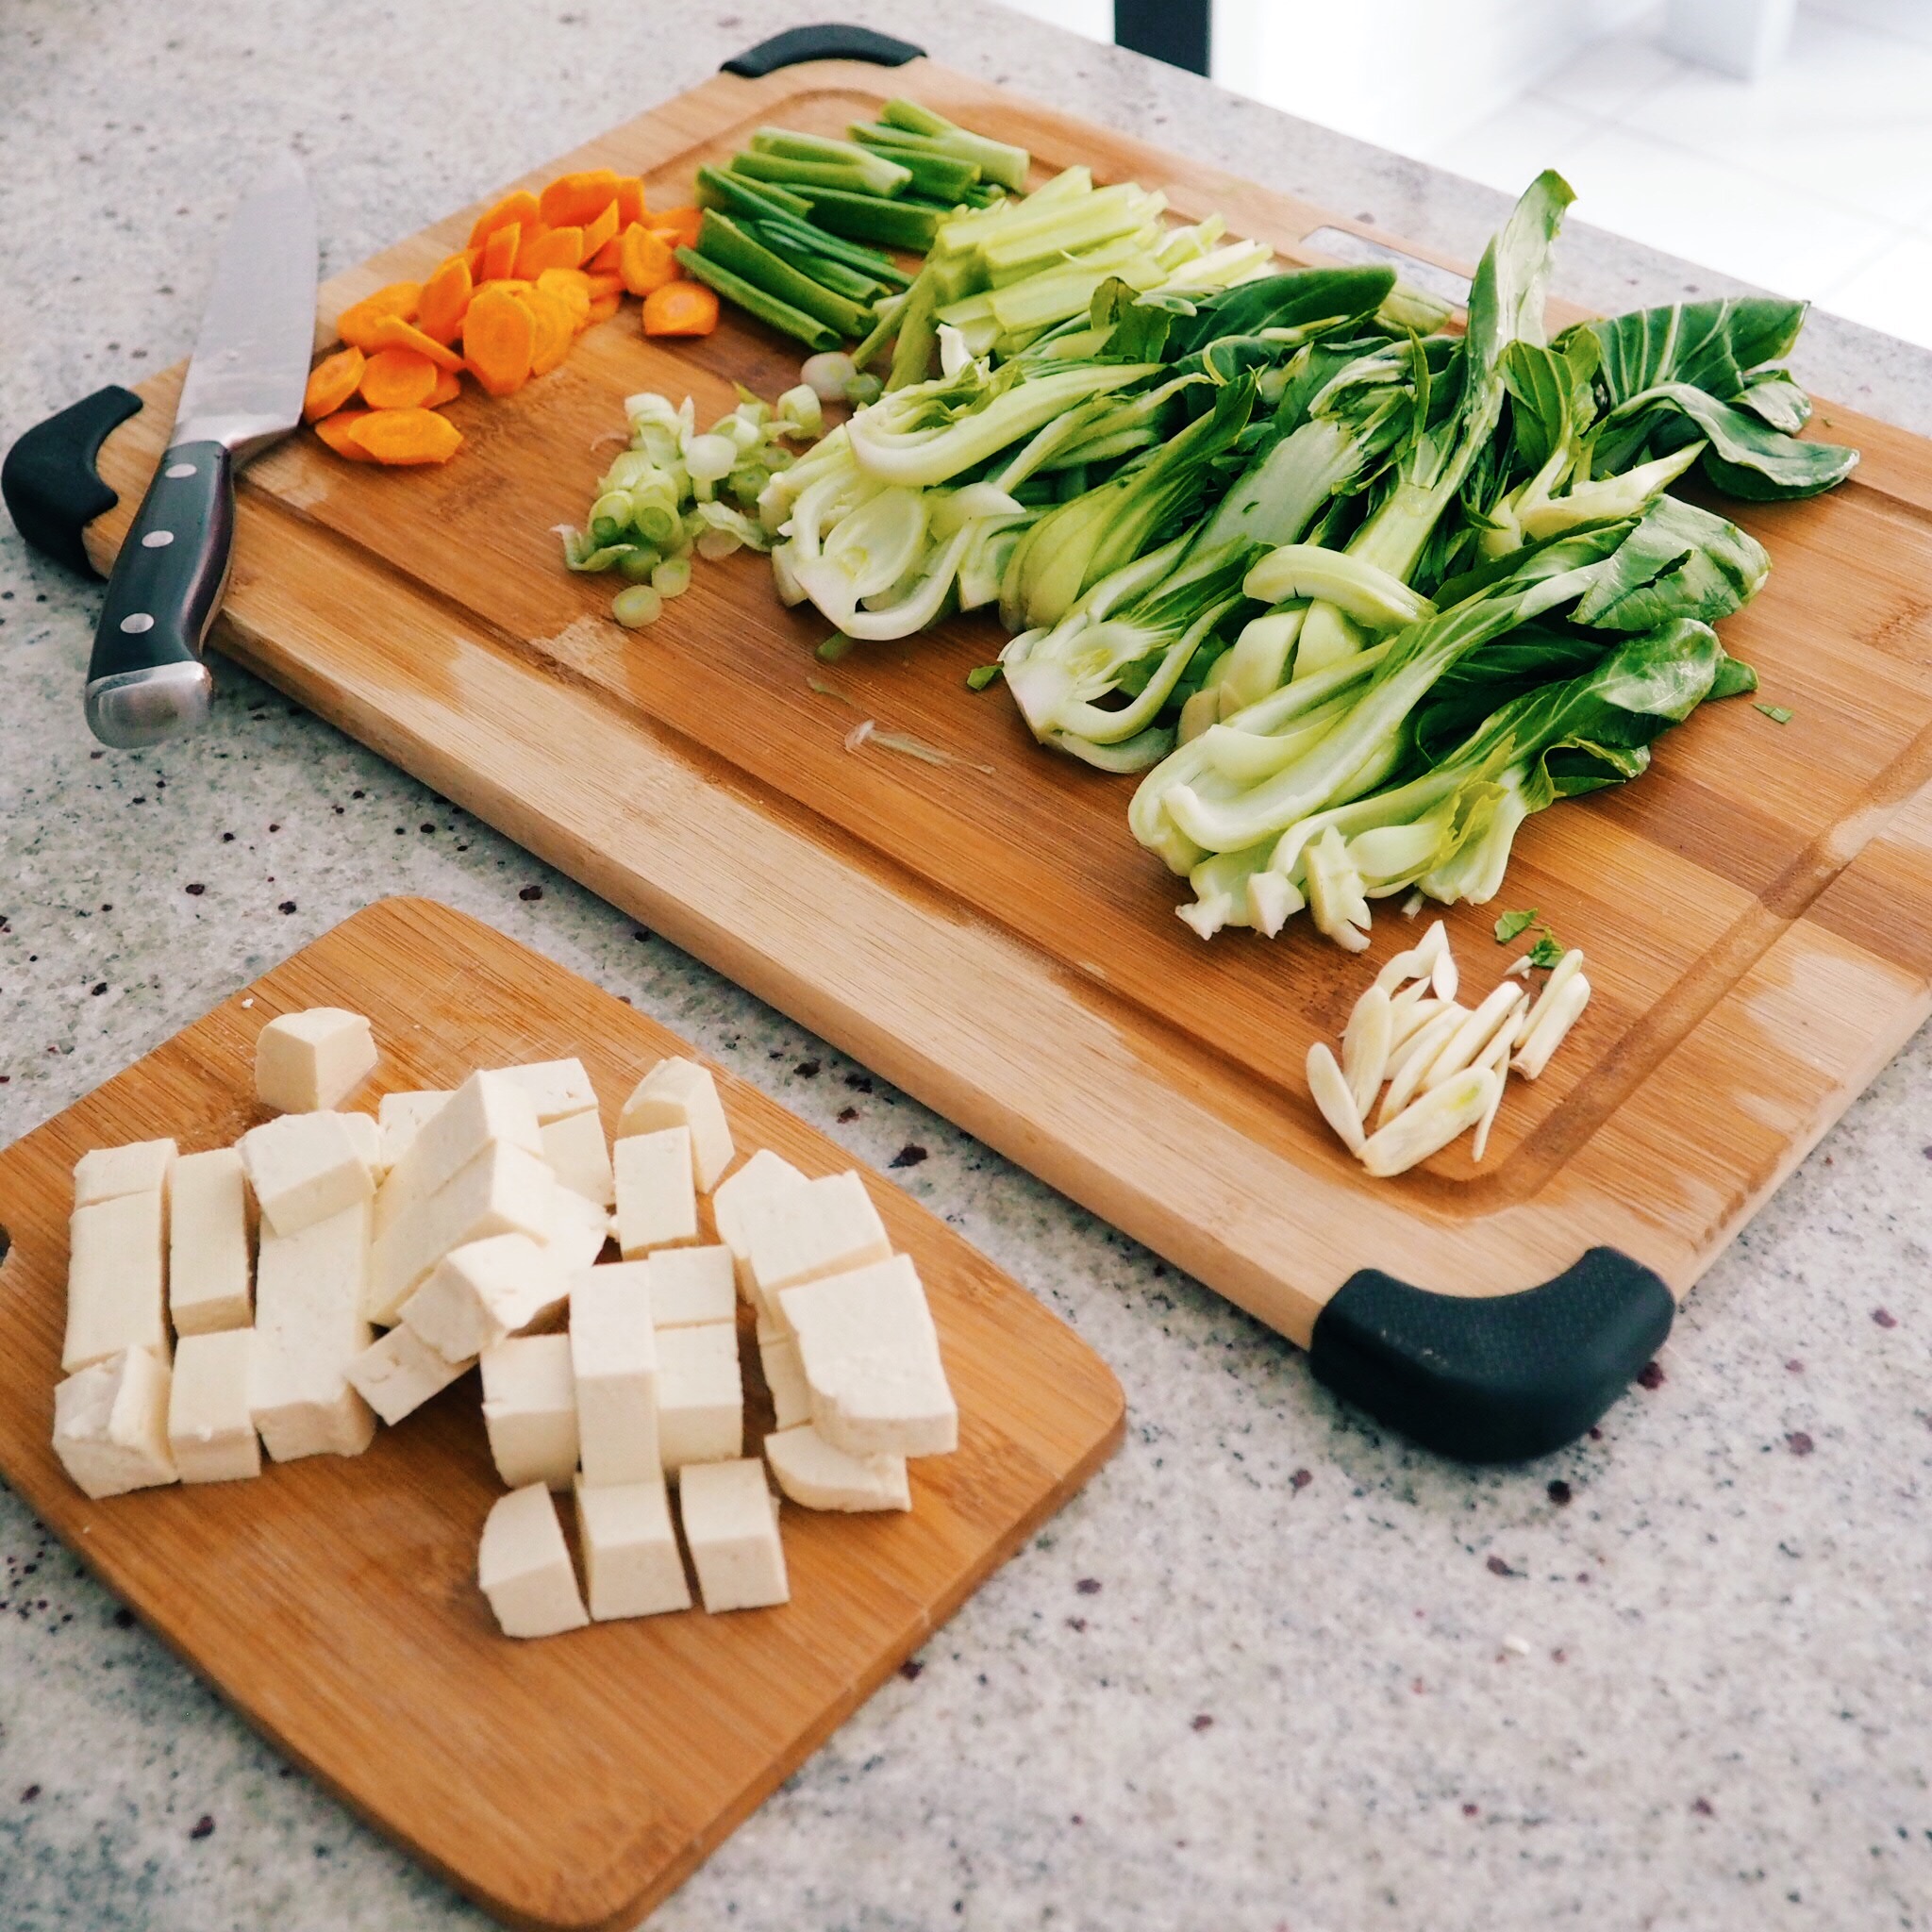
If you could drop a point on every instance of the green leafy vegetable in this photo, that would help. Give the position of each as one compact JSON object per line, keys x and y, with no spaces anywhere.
{"x":1776,"y":713}
{"x":983,"y":674}
{"x":1513,"y":924}
{"x":1547,"y":952}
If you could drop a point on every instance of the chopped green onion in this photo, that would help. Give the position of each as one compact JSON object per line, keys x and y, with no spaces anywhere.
{"x":872,"y":218}
{"x":834,"y":647}
{"x":672,"y":578}
{"x":742,"y":196}
{"x":1776,"y":713}
{"x":637,"y":607}
{"x":722,"y":241}
{"x":758,"y":302}
{"x":981,"y":676}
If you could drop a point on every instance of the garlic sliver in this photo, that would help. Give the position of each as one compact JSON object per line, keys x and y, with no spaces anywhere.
{"x":1330,"y":1089}
{"x":1418,"y":962}
{"x":1408,"y":1065}
{"x":1365,"y":1042}
{"x":1541,"y":1038}
{"x":1475,"y":1032}
{"x":1431,"y":1124}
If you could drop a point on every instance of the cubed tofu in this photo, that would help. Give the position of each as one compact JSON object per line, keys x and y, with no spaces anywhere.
{"x":116,"y":1295}
{"x":828,"y":1226}
{"x":485,"y":1111}
{"x":484,"y":1290}
{"x":657,"y":1204}
{"x":578,"y":1229}
{"x":311,"y":1290}
{"x":872,"y":1357}
{"x":530,"y":1409}
{"x":614,"y":1358}
{"x":399,"y":1372}
{"x":312,"y":1059}
{"x":504,"y":1190}
{"x":580,"y":1157}
{"x":367,"y":1135}
{"x":762,"y":1178}
{"x":401,"y":1116}
{"x":731,"y":1530}
{"x":700,"y":1396}
{"x":111,"y":1424}
{"x":557,"y":1089}
{"x":210,"y":1271}
{"x":692,"y":1286}
{"x":681,"y":1094}
{"x":815,"y":1475}
{"x":785,"y":1378}
{"x":631,"y":1564}
{"x":523,"y":1567}
{"x":305,"y":1167}
{"x":141,"y":1167}
{"x":210,"y":1427}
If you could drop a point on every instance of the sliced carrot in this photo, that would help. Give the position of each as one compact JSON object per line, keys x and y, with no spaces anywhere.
{"x":646,"y":261}
{"x":552,"y":248}
{"x":448,"y":388}
{"x":500,"y":253}
{"x":391,"y":334}
{"x":474,"y":257}
{"x":602,"y":309}
{"x":680,"y":309}
{"x":445,"y":295}
{"x":570,"y":287}
{"x":406,"y":436}
{"x":499,"y":337}
{"x":334,"y":380}
{"x":601,"y":285}
{"x":519,"y":207}
{"x":338,"y":432}
{"x":356,"y":324}
{"x":630,"y":200}
{"x":397,"y":379}
{"x":556,"y":325}
{"x":597,"y":233}
{"x":680,"y":223}
{"x":606,"y":260}
{"x":572,"y":200}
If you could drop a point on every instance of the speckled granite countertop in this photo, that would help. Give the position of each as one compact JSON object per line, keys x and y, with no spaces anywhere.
{"x":1272,"y":1669}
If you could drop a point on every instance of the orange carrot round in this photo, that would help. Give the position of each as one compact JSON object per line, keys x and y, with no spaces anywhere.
{"x":406,"y":436}
{"x":500,"y":251}
{"x":572,"y":287}
{"x":646,"y":261}
{"x":597,"y":233}
{"x":519,"y":206}
{"x":356,"y":324}
{"x":680,"y":223}
{"x":445,"y":295}
{"x":605,"y":260}
{"x":550,"y":248}
{"x":499,"y":338}
{"x":601,"y":286}
{"x":338,"y":432}
{"x":602,"y":309}
{"x":630,"y":200}
{"x":448,"y":388}
{"x":680,"y":309}
{"x":397,"y":379}
{"x":393,"y":334}
{"x":556,"y":325}
{"x":572,"y":200}
{"x":334,"y":380}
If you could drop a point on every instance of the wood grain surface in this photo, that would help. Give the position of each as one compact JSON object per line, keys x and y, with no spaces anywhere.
{"x":573,"y":1782}
{"x":987,"y":934}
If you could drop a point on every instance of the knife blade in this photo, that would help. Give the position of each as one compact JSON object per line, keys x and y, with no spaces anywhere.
{"x":146,"y":681}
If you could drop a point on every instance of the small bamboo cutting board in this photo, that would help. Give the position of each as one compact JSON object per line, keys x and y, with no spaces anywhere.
{"x":573,"y":1782}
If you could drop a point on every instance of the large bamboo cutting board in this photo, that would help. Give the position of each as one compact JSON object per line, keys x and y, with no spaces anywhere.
{"x":570,"y":1783}
{"x":1755,"y":912}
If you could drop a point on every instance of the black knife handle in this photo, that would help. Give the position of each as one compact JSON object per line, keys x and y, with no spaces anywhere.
{"x":147,"y":681}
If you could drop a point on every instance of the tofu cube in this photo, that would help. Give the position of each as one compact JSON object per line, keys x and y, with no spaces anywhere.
{"x":401,"y":1116}
{"x":762,"y":1178}
{"x":692,"y":1286}
{"x":210,"y":1271}
{"x":311,"y":1290}
{"x":578,"y":1229}
{"x":818,"y":1477}
{"x":828,"y":1226}
{"x":111,"y":1424}
{"x":657,"y":1205}
{"x":530,"y":1409}
{"x":141,"y":1167}
{"x":731,"y":1528}
{"x":872,"y":1359}
{"x":484,"y":1290}
{"x":523,"y":1567}
{"x":314,"y":1059}
{"x":305,"y":1167}
{"x":485,"y":1111}
{"x":785,"y":1378}
{"x":631,"y":1564}
{"x":116,"y":1298}
{"x":557,"y":1089}
{"x":580,"y":1157}
{"x":210,"y":1428}
{"x":681,"y":1094}
{"x":700,"y":1396}
{"x":614,"y":1358}
{"x":399,"y":1372}
{"x":367,"y":1135}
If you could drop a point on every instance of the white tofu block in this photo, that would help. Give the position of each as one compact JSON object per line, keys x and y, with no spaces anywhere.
{"x":614,"y":1358}
{"x":367,"y":1135}
{"x":828,"y":1226}
{"x":115,"y":1297}
{"x":785,"y":1378}
{"x":578,"y":1229}
{"x":557,"y":1089}
{"x":141,"y":1167}
{"x":815,"y":1475}
{"x":484,"y":1290}
{"x":762,"y":1178}
{"x":681,"y":1094}
{"x":305,"y":1167}
{"x":657,"y":1204}
{"x":731,"y":1528}
{"x":530,"y":1409}
{"x":486,"y":1110}
{"x":692,"y":1286}
{"x":504,"y":1190}
{"x":631,"y":1565}
{"x":523,"y":1567}
{"x":700,"y":1396}
{"x":209,"y":1269}
{"x":872,"y":1357}
{"x":311,"y":1290}
{"x":580,"y":1157}
{"x":312,"y":1059}
{"x":111,"y":1424}
{"x":401,"y":1117}
{"x":210,"y":1427}
{"x":399,"y":1372}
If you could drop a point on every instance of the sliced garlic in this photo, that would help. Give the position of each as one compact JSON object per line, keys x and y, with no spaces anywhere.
{"x":1431,"y":1124}
{"x":1412,"y":905}
{"x":1542,"y":1036}
{"x":1495,"y":1059}
{"x":1463,"y":1046}
{"x":1330,"y":1089}
{"x":1418,"y":962}
{"x":1518,"y":965}
{"x":1411,"y":1061}
{"x":1365,"y":1043}
{"x":1410,"y":1010}
{"x":1561,"y":973}
{"x":1445,"y":975}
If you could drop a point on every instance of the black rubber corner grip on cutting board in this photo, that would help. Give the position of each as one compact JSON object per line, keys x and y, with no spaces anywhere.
{"x":1493,"y":1379}
{"x":51,"y":487}
{"x":829,"y":40}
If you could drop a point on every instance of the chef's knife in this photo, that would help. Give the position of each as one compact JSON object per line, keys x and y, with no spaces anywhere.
{"x":147,"y":681}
